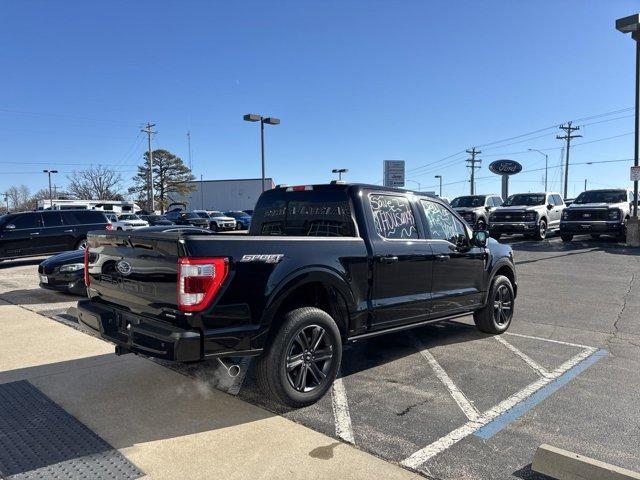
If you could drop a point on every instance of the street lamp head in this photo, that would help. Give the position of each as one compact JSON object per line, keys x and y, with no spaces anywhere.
{"x":438,"y":176}
{"x":272,"y":121}
{"x":629,"y":24}
{"x":252,"y":117}
{"x":340,"y":170}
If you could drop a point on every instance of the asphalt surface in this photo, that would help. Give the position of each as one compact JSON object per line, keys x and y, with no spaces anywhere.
{"x":452,"y":403}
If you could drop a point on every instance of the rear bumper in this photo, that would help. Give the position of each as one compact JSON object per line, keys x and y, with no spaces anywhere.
{"x":141,"y":335}
{"x":602,"y":227}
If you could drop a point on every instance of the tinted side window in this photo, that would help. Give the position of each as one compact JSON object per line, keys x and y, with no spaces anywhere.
{"x":51,"y":219}
{"x":443,"y":225}
{"x":82,"y":218}
{"x":27,"y":220}
{"x":393,"y":217}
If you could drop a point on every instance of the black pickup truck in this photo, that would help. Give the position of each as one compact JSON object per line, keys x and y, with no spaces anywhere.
{"x":322,"y":265}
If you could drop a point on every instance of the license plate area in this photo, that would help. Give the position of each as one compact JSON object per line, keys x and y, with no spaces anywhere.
{"x":44,"y":279}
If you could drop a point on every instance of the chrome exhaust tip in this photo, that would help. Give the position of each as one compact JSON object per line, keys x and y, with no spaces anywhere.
{"x":233,"y":370}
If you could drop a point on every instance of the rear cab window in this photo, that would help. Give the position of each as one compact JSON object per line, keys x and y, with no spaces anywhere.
{"x":319,"y":211}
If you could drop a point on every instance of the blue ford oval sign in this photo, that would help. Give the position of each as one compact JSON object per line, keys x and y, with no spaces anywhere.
{"x":505,"y":167}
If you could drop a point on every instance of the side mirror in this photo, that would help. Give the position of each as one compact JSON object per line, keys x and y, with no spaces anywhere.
{"x":480,"y":238}
{"x":549,"y":207}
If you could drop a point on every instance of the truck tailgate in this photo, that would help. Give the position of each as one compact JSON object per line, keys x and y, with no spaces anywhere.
{"x":135,"y":271}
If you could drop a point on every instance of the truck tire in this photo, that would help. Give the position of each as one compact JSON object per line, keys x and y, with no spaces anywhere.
{"x":495,"y":317}
{"x":302,"y":360}
{"x":622,"y":237}
{"x":541,"y":234}
{"x":214,"y":226}
{"x":566,"y":237}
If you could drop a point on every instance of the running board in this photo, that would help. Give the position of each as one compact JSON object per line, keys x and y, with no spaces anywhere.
{"x":409,"y":326}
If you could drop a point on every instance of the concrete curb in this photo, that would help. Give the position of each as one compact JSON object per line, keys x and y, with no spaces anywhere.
{"x":564,"y":465}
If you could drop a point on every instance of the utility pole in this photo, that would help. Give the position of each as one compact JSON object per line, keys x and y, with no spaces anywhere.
{"x":585,"y":184}
{"x":49,"y":172}
{"x":567,"y":136}
{"x":6,"y":199}
{"x":149,"y":132}
{"x":471,"y":163}
{"x":189,"y":142}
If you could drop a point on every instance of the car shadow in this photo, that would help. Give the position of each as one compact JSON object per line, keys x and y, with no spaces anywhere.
{"x":5,"y":264}
{"x":580,"y":244}
{"x":36,"y":296}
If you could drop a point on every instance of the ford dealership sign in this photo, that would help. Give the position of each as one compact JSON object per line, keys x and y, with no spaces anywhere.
{"x":505,"y":167}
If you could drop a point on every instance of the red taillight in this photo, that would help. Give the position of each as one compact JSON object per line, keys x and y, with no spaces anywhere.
{"x":87,"y":278}
{"x":199,"y":279}
{"x":108,"y":227}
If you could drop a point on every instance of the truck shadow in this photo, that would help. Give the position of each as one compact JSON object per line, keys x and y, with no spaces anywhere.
{"x":579,"y":245}
{"x":36,"y":296}
{"x":6,"y":264}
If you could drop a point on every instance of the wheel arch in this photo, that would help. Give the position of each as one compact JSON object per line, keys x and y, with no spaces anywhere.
{"x":322,"y":288}
{"x":507,"y":269}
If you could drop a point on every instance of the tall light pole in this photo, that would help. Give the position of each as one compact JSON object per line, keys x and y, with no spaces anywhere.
{"x":631,"y":24}
{"x":6,"y":199}
{"x":340,"y":171}
{"x":416,"y":182}
{"x":546,"y":165}
{"x":439,"y":177}
{"x":49,"y":172}
{"x":252,"y":117}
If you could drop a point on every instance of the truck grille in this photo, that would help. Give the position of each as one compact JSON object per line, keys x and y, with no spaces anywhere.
{"x":586,"y":215}
{"x":508,"y":217}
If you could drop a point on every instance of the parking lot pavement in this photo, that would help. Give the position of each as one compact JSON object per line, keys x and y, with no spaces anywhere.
{"x":447,"y":401}
{"x":164,"y":425}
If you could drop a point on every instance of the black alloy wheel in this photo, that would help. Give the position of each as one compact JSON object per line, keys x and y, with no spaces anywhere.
{"x":502,"y":305}
{"x":309,"y":358}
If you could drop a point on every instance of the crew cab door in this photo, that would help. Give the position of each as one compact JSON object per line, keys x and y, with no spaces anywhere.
{"x":402,"y":260}
{"x":554,"y":214}
{"x":458,"y":268}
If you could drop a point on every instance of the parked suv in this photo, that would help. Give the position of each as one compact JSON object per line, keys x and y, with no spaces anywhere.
{"x":29,"y":234}
{"x":475,"y":209}
{"x":531,"y":214}
{"x":597,"y":212}
{"x":218,"y":221}
{"x":180,"y":217}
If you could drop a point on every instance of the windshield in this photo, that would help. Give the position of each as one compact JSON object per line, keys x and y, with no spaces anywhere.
{"x":190,"y":215}
{"x":129,"y":217}
{"x":602,"y":196}
{"x":468,"y":201}
{"x":526,"y":199}
{"x":217,"y":214}
{"x":202,"y":214}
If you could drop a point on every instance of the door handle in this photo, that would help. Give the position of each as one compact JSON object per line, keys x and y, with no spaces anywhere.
{"x":34,"y":233}
{"x":388,"y":259}
{"x":443,"y":258}
{"x":68,"y":231}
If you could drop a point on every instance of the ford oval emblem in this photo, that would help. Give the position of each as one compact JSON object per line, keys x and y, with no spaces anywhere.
{"x":505,"y":167}
{"x":123,"y":267}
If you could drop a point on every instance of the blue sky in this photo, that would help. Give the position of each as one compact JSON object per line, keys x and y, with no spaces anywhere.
{"x":354,"y":83}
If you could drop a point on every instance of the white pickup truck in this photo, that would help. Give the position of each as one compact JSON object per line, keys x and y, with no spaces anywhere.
{"x":128,"y":221}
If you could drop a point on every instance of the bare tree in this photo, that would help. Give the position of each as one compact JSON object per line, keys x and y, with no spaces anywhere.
{"x":95,"y":183}
{"x":18,"y":198}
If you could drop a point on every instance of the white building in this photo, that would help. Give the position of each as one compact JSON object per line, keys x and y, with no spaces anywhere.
{"x":224,"y":195}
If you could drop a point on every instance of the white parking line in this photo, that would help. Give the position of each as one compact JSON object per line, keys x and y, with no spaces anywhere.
{"x":467,"y":407}
{"x":577,"y":345}
{"x":526,"y":358}
{"x":423,"y":455}
{"x":341,"y":415}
